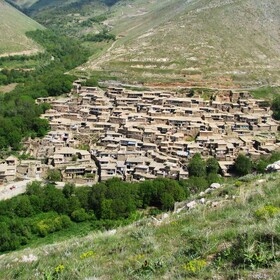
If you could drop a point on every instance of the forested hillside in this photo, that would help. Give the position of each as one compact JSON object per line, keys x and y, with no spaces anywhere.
{"x":19,"y":115}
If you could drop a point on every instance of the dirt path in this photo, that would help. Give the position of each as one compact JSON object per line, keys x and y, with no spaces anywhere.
{"x":27,"y":53}
{"x":13,"y":189}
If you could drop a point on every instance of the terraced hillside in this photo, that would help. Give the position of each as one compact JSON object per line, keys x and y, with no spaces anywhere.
{"x":13,"y":27}
{"x":233,"y":233}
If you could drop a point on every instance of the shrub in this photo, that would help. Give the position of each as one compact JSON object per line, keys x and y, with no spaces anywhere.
{"x":59,"y":269}
{"x":213,"y":178}
{"x":247,"y":178}
{"x":80,"y":215}
{"x":196,"y":184}
{"x":238,"y":184}
{"x":267,"y":212}
{"x":195,"y":266}
{"x":47,"y":226}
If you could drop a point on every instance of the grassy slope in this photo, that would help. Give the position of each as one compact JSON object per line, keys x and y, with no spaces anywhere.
{"x":13,"y":26}
{"x":195,"y":41}
{"x":23,"y":3}
{"x":146,"y":251}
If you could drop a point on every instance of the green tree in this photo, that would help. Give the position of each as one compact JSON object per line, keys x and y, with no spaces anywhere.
{"x":107,"y":212}
{"x":54,"y":200}
{"x":197,"y":166}
{"x":167,"y":201}
{"x":242,"y":165}
{"x":23,"y":206}
{"x":54,"y":175}
{"x":34,"y":188}
{"x":212,"y":166}
{"x":276,"y":107}
{"x":80,"y":215}
{"x":68,"y":190}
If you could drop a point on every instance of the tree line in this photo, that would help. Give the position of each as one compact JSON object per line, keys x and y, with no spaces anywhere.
{"x":44,"y":209}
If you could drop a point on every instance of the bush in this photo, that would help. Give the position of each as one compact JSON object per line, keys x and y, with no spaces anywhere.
{"x":195,"y":266}
{"x":196,"y":184}
{"x":247,"y":178}
{"x":47,"y":226}
{"x":213,"y":178}
{"x":267,"y":212}
{"x":261,"y":165}
{"x":80,"y":215}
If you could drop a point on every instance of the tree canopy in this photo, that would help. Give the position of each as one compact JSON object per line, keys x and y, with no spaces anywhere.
{"x":242,"y":165}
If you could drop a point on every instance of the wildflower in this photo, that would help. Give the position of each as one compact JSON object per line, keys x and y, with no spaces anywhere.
{"x":59,"y":268}
{"x":87,"y":255}
{"x":195,"y":266}
{"x":266,"y":212}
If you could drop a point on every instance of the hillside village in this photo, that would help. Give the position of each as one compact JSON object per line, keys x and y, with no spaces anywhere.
{"x":136,"y":135}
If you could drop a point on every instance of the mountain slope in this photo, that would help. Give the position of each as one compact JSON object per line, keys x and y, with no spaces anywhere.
{"x":13,"y":27}
{"x":234,"y":235}
{"x":195,"y":41}
{"x":223,"y":43}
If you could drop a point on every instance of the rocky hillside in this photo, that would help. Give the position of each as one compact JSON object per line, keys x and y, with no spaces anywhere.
{"x":228,"y":232}
{"x":13,"y":27}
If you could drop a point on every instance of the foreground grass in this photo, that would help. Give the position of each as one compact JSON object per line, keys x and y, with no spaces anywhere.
{"x":238,"y":238}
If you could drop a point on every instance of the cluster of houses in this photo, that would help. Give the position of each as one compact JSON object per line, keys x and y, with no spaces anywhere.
{"x":142,"y":134}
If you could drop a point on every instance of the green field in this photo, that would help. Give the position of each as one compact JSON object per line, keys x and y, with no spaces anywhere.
{"x":13,"y":27}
